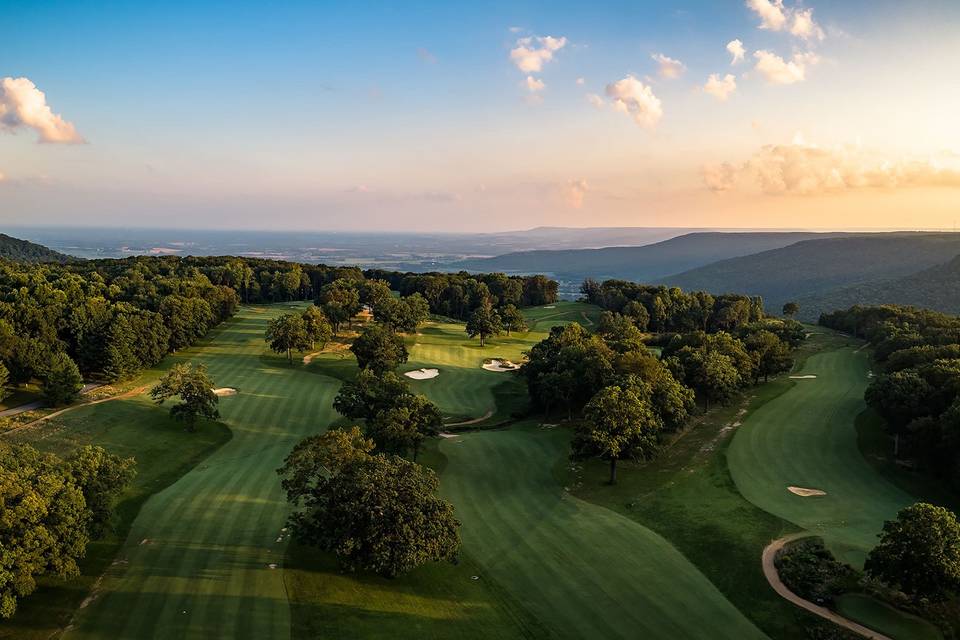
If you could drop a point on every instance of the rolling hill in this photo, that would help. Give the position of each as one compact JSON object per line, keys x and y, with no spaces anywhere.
{"x":643,"y":263}
{"x":816,"y":267}
{"x":935,"y":288}
{"x":18,"y":250}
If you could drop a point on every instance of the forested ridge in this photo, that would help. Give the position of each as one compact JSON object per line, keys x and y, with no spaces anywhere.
{"x":18,"y":250}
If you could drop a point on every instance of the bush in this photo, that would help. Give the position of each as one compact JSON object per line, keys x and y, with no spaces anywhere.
{"x":809,"y":569}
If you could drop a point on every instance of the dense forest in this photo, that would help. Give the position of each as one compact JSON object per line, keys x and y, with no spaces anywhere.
{"x":917,"y":391}
{"x":18,"y":250}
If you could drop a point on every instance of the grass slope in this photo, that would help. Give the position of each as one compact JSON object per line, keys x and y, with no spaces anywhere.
{"x":807,"y":438}
{"x":196,"y":563}
{"x":582,"y":570}
{"x":127,"y":427}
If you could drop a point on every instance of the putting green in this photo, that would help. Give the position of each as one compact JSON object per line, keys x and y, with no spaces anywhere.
{"x":807,"y":438}
{"x":197,"y":561}
{"x":583,"y":570}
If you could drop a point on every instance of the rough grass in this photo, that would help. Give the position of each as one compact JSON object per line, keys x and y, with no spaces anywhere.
{"x":885,"y":619}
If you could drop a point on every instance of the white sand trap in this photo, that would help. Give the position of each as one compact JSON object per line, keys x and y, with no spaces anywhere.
{"x":225,"y":391}
{"x":423,"y":374}
{"x":444,"y":434}
{"x":550,"y":307}
{"x":809,"y":377}
{"x":500,"y":365}
{"x":272,"y":565}
{"x":806,"y":493}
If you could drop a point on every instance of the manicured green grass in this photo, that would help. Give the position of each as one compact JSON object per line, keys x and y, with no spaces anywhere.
{"x":885,"y":619}
{"x":127,"y":427}
{"x":584,"y":571}
{"x":807,"y":438}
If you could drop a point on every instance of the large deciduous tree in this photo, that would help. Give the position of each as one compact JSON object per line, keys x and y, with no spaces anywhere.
{"x":287,"y":333}
{"x":919,"y":552}
{"x":340,"y":301}
{"x":317,"y":326}
{"x":102,"y":477}
{"x":378,"y":348}
{"x":403,"y":426}
{"x":375,"y":512}
{"x":619,"y":423}
{"x":513,"y":319}
{"x":484,"y":322}
{"x":195,"y":390}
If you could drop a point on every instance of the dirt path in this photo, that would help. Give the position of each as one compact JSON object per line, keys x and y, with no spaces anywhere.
{"x":28,"y":425}
{"x":773,"y":577}
{"x":40,"y":404}
{"x":474,"y":421}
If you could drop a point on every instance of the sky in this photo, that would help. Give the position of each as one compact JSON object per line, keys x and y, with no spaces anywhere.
{"x":455,"y":116}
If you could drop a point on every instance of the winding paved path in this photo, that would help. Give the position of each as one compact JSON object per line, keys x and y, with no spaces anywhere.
{"x":773,"y":577}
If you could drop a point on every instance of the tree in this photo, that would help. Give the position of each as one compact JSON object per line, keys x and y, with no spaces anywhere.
{"x":620,"y":333}
{"x":340,"y":301}
{"x":195,"y":389}
{"x":403,"y":426}
{"x":102,"y":478}
{"x":791,"y":309}
{"x":4,"y":381}
{"x":712,"y":374}
{"x":919,"y":552}
{"x":770,"y":354}
{"x":315,"y":459}
{"x":368,"y":394}
{"x":638,"y":314}
{"x":899,"y":397}
{"x":403,"y":314}
{"x":287,"y":333}
{"x":484,"y":322}
{"x":62,"y":381}
{"x":619,"y":423}
{"x":44,"y":530}
{"x":378,"y":348}
{"x":513,"y":319}
{"x":378,"y":513}
{"x":317,"y":327}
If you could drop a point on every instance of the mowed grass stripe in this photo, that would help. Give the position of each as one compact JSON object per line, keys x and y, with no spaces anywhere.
{"x":583,"y":570}
{"x":806,"y":437}
{"x":217,"y":526}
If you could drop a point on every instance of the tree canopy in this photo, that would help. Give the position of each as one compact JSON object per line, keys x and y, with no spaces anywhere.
{"x":379,"y":349}
{"x":484,"y":322}
{"x":288,"y":333}
{"x":195,"y":390}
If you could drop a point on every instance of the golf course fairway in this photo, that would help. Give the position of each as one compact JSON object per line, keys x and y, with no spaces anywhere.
{"x":807,"y":438}
{"x":197,"y":561}
{"x":581,"y":569}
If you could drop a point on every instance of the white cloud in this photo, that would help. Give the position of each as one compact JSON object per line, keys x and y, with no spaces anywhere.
{"x":804,"y":26}
{"x":669,"y":67}
{"x":534,"y":84}
{"x":23,"y":105}
{"x":772,"y":15}
{"x":596,"y":100}
{"x":636,"y":99}
{"x":573,"y":192}
{"x":735,"y":48}
{"x":801,"y":168}
{"x":580,"y":81}
{"x":515,"y":29}
{"x":776,"y":70}
{"x":720,"y":88}
{"x":531,"y":53}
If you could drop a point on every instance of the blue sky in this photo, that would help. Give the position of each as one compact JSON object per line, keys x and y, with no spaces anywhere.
{"x":376,"y":115}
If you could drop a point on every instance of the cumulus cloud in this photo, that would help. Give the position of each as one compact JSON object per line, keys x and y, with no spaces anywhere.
{"x":573,"y":192}
{"x":22,"y":105}
{"x":668,"y":67}
{"x":804,"y":26}
{"x":776,"y":70}
{"x":774,"y":16}
{"x":596,"y":100}
{"x":534,"y":84}
{"x":735,"y":48}
{"x":801,"y":168}
{"x":531,"y":53}
{"x":720,"y":88}
{"x":637,"y":100}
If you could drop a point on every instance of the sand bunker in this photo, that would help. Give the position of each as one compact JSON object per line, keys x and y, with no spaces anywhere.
{"x":550,"y":307}
{"x":225,"y":391}
{"x":806,"y":493}
{"x":500,"y":365}
{"x":423,"y":374}
{"x":808,"y":377}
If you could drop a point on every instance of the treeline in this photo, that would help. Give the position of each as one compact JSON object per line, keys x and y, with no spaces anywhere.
{"x":668,"y":309}
{"x":458,"y":295}
{"x":630,"y":398}
{"x":917,"y":391}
